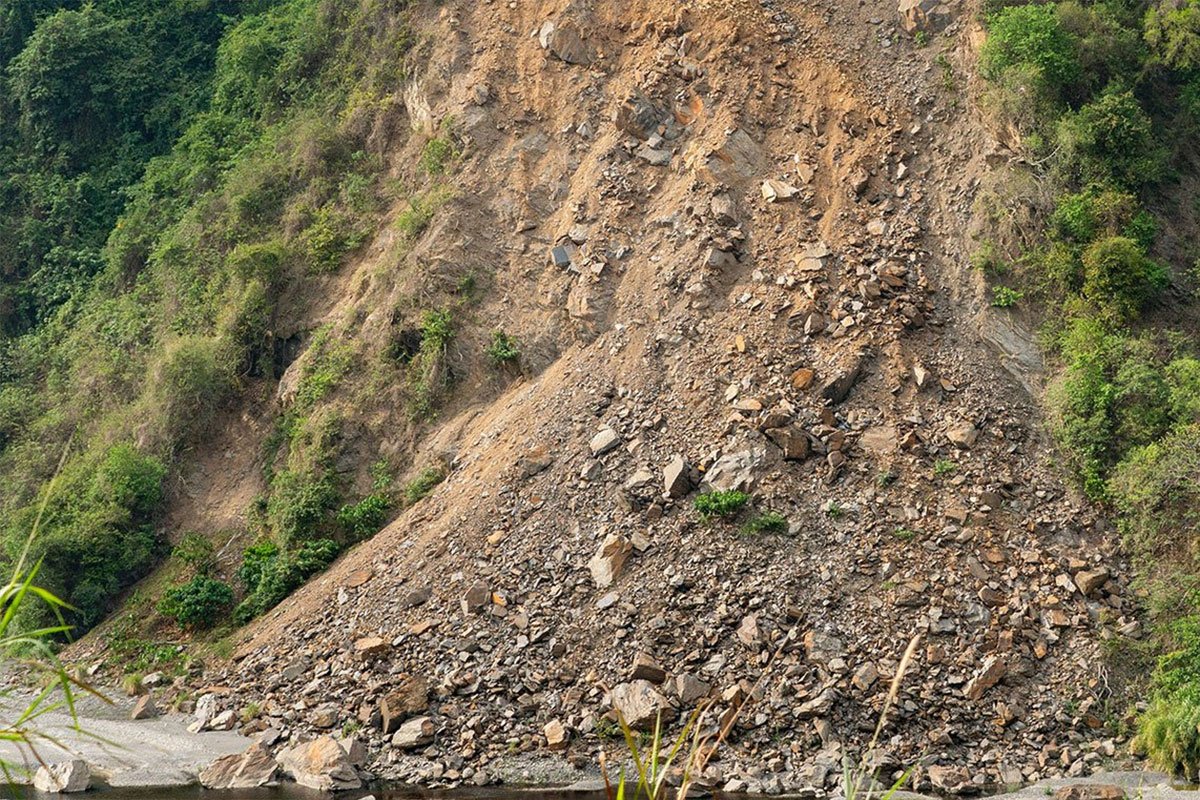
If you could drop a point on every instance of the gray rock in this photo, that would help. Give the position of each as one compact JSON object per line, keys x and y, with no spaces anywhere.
{"x":931,"y":16}
{"x":63,"y":777}
{"x":416,"y":732}
{"x":734,"y":471}
{"x":640,"y":703}
{"x":144,"y":708}
{"x":677,"y":478}
{"x":606,"y":439}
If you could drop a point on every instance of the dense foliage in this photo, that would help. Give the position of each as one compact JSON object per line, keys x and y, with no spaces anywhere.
{"x":1104,"y":97}
{"x":168,"y":169}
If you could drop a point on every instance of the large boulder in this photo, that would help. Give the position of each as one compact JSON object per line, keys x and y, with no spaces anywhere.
{"x":640,"y":703}
{"x":321,"y":764}
{"x":63,"y":777}
{"x":416,"y":732}
{"x":249,"y":770}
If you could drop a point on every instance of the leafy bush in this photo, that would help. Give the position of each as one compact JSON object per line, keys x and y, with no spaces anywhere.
{"x":436,"y":154}
{"x":1005,"y":296}
{"x":1032,"y":35}
{"x":1110,"y":139}
{"x":766,"y":522}
{"x":300,"y":504}
{"x":720,"y":504}
{"x":1119,"y":278}
{"x":503,"y":349}
{"x":199,"y":603}
{"x":195,"y":375}
{"x":195,"y":551}
{"x":271,"y":574}
{"x":364,"y":518}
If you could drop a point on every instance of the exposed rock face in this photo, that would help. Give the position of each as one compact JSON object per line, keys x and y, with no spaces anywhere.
{"x":321,"y":764}
{"x":930,"y":16}
{"x":63,"y":777}
{"x":249,"y":770}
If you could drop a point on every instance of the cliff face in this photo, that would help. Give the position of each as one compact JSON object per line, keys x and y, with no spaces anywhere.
{"x":728,"y":242}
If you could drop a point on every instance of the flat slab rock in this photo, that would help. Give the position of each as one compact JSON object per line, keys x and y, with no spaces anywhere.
{"x":127,"y":753}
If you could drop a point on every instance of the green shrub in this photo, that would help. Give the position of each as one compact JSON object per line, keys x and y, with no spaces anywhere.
{"x":200,"y":603}
{"x":1033,"y":35}
{"x":256,"y":559}
{"x":364,"y":518}
{"x":195,"y":551}
{"x":766,"y":522}
{"x":1169,"y":732}
{"x":503,"y":349}
{"x":720,"y":504}
{"x":1119,"y":278}
{"x":300,"y":504}
{"x":1109,"y":140}
{"x":193,"y":378}
{"x":1005,"y":296}
{"x":1173,"y":34}
{"x":274,"y":574}
{"x":437,"y":153}
{"x":423,"y":484}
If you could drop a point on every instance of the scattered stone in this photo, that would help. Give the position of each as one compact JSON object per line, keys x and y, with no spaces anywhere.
{"x":962,"y":435}
{"x":416,"y":732}
{"x":476,"y":598}
{"x":604,"y":441}
{"x":773,"y":190}
{"x":994,"y":668}
{"x":838,"y":388}
{"x":411,"y":697}
{"x":689,"y":688}
{"x":63,"y":777}
{"x":951,"y":780}
{"x":792,"y":441}
{"x":325,"y":716}
{"x":610,"y":558}
{"x":640,"y":703}
{"x":929,"y":16}
{"x":371,"y":647}
{"x":645,"y":668}
{"x":1090,"y":791}
{"x":249,"y":770}
{"x":677,"y":478}
{"x":865,"y":676}
{"x":1090,"y":581}
{"x":144,"y":708}
{"x":556,"y":735}
{"x":733,"y":471}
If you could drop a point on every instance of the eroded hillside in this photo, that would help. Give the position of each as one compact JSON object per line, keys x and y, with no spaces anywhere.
{"x":729,"y":242}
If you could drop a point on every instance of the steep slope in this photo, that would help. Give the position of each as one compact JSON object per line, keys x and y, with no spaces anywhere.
{"x":822,"y":349}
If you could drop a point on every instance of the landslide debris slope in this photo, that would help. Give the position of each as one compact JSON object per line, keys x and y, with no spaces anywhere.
{"x":729,"y":236}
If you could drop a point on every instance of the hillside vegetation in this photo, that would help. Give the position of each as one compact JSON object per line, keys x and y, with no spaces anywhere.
{"x":171,"y":171}
{"x":1103,"y":101}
